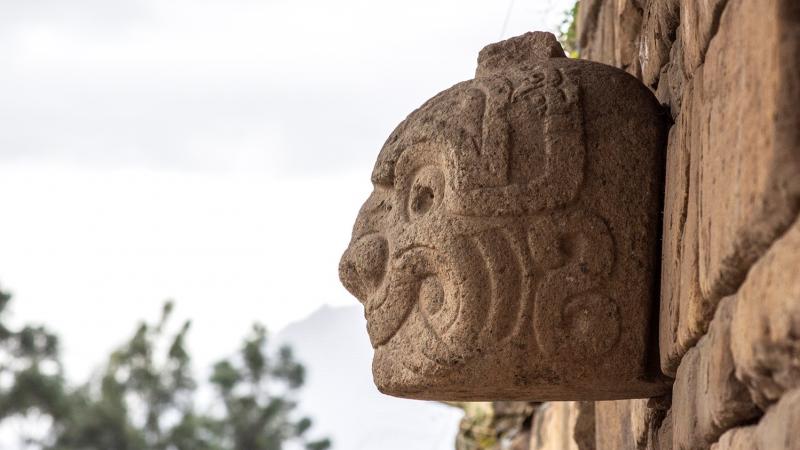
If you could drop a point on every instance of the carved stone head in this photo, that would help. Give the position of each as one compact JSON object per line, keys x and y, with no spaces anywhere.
{"x":509,"y":248}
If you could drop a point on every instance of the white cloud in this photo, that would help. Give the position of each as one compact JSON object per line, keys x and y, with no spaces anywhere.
{"x":89,"y":253}
{"x":184,"y":84}
{"x":212,"y":151}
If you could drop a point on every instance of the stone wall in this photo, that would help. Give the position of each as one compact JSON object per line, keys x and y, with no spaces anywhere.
{"x":728,"y":71}
{"x":729,"y":328}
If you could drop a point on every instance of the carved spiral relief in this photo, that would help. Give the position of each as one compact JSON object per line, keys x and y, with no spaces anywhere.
{"x":576,"y":250}
{"x":462,"y":290}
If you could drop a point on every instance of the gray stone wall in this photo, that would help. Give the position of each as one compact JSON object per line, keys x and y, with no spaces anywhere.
{"x":728,"y":72}
{"x":729,"y":330}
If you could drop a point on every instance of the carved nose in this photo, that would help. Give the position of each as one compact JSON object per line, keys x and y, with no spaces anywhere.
{"x":363,"y":265}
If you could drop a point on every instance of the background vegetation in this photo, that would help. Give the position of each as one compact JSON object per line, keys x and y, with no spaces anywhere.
{"x":568,"y":31}
{"x":146,"y":396}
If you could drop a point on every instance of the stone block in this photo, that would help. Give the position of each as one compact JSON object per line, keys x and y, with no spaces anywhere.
{"x":584,"y":433}
{"x":707,"y":397}
{"x":588,"y":13}
{"x":553,"y":427}
{"x":750,"y":183}
{"x":647,"y":416}
{"x":743,"y":438}
{"x":683,"y":310}
{"x":613,"y":426}
{"x":766,"y":322}
{"x":670,"y":91}
{"x":695,"y":311}
{"x":662,"y":438}
{"x":613,"y":37}
{"x":600,"y":43}
{"x":743,"y":155}
{"x":726,"y":399}
{"x":699,"y":20}
{"x":675,"y":203}
{"x":509,"y":248}
{"x":660,"y":19}
{"x":627,"y":26}
{"x":521,"y":441}
{"x":684,"y":402}
{"x":641,"y":417}
{"x":778,"y":429}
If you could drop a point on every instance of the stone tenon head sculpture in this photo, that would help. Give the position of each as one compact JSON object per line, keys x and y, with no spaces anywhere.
{"x":509,"y":248}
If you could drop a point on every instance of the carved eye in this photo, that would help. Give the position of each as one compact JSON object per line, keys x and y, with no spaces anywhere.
{"x":422,"y":200}
{"x":426,"y":192}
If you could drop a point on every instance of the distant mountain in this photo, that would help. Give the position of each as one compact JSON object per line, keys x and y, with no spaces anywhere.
{"x":341,"y":398}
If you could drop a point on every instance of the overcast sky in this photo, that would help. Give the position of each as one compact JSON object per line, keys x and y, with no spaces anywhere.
{"x":211,"y":151}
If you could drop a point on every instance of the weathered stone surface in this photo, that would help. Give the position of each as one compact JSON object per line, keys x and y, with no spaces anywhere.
{"x":642,"y":424}
{"x":683,"y":312}
{"x":660,"y":20}
{"x":684,"y":402}
{"x":725,"y":398}
{"x":627,"y":26}
{"x":707,"y":398}
{"x":640,"y":420}
{"x":613,"y":38}
{"x":743,"y":438}
{"x":588,"y":12}
{"x":613,"y":427}
{"x":672,"y":243}
{"x":554,"y":425}
{"x":584,"y":433}
{"x":647,"y":416}
{"x":596,"y":39}
{"x":699,"y":20}
{"x":750,"y":190}
{"x":522,"y":441}
{"x":766,"y":322}
{"x":629,"y":424}
{"x":778,"y":429}
{"x":508,"y":249}
{"x":670,"y":90}
{"x":662,"y":438}
{"x":747,"y":169}
{"x":694,"y":311}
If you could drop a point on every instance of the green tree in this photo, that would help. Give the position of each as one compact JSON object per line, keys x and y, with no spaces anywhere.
{"x":145,"y":395}
{"x":144,"y":382}
{"x":257,"y":419}
{"x":31,"y":375}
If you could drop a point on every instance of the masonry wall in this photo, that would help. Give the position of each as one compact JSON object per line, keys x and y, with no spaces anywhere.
{"x":728,"y":72}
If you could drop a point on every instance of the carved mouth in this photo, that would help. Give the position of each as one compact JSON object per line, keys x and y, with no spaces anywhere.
{"x":411,"y":279}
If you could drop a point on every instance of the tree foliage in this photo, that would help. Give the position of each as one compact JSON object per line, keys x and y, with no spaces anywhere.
{"x":145,"y":396}
{"x":568,"y":31}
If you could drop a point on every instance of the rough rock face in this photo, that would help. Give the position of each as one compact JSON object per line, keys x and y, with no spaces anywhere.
{"x":727,"y":70}
{"x":729,"y":325}
{"x":563,"y":426}
{"x":509,"y":248}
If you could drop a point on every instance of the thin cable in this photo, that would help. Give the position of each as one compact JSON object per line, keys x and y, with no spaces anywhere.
{"x":508,"y":16}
